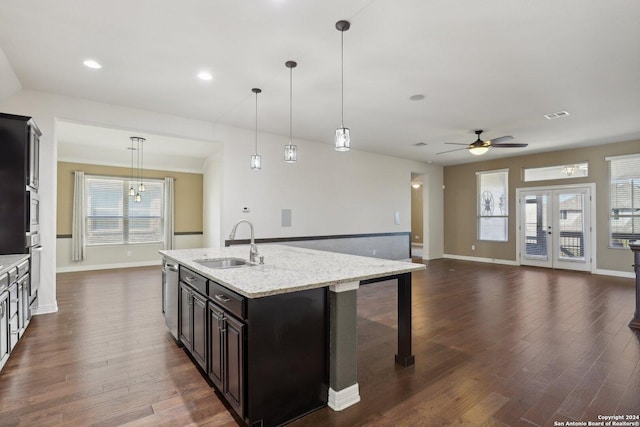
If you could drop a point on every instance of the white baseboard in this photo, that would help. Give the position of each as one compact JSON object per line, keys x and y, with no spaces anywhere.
{"x":45,"y":309}
{"x":479,"y":259}
{"x":615,"y":273}
{"x":108,"y":266}
{"x":339,"y":400}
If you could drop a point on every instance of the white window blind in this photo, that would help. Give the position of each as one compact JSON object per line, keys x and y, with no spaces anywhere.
{"x":113,"y":217}
{"x":493,"y":205}
{"x":624,"y":200}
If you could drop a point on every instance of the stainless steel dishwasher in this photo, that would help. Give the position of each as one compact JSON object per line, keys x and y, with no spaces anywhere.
{"x":170,"y":296}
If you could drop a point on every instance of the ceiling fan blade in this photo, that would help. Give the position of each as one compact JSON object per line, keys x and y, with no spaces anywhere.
{"x":454,"y":143}
{"x":500,"y":139}
{"x":510,"y":145}
{"x":457,"y":149}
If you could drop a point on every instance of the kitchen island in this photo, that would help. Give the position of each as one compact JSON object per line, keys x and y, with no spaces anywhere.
{"x":286,"y":328}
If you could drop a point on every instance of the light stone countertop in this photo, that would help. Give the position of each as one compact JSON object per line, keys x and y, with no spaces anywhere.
{"x":288,"y":269}
{"x":7,"y":262}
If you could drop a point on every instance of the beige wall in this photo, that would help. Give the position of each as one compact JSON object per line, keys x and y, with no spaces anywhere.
{"x":460,"y":201}
{"x":416,"y":215}
{"x":188,"y":194}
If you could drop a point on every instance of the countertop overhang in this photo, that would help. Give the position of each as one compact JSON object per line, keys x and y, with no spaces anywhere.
{"x":287,"y":269}
{"x":7,"y":262}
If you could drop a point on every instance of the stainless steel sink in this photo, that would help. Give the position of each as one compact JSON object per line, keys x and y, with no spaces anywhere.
{"x":223,"y":262}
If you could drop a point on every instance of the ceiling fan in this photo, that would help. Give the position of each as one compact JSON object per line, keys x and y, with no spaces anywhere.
{"x":479,"y":146}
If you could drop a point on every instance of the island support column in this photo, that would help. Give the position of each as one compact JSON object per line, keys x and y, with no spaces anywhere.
{"x":404,"y":357}
{"x":343,"y":346}
{"x":635,"y":247}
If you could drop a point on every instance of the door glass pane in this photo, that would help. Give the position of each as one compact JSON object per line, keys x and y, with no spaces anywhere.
{"x":571,"y":227}
{"x":536,"y":229}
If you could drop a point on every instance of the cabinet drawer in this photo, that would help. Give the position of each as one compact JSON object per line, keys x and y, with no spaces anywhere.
{"x":196,"y":281}
{"x":23,"y":268}
{"x":229,"y":300}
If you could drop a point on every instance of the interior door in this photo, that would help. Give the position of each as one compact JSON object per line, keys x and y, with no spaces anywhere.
{"x":555,"y":228}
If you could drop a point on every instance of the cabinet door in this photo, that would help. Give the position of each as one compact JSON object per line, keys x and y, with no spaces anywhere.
{"x":215,"y":346}
{"x":185,"y":316}
{"x":4,"y":328}
{"x":199,"y":351}
{"x":34,"y":158}
{"x":234,"y":332}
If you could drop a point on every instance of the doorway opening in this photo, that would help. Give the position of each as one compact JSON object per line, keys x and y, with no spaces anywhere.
{"x":556,"y":227}
{"x":417,"y":217}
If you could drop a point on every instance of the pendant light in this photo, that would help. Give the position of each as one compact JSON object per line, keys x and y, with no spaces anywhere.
{"x":256,"y":160}
{"x":141,"y":188}
{"x":343,"y":138}
{"x":132,"y":191}
{"x":290,"y":150}
{"x":141,"y":141}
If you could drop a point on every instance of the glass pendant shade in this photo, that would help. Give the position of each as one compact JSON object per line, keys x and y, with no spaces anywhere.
{"x":478,"y":150}
{"x":141,"y":187}
{"x":256,"y":161}
{"x":290,"y":153}
{"x":138,"y":197}
{"x":343,"y":140}
{"x":132,"y":192}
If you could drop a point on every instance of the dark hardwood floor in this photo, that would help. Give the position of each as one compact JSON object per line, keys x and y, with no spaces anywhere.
{"x":494,"y":345}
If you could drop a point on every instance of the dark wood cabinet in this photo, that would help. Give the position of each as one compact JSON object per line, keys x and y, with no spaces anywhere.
{"x":226,"y":355}
{"x":234,"y":338}
{"x":267,"y":356}
{"x":192,"y":323}
{"x":216,"y":317}
{"x":199,"y":319}
{"x":184,"y":318}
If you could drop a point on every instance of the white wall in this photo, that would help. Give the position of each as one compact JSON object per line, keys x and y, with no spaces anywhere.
{"x":9,"y":83}
{"x":328,"y":192}
{"x":212,"y":203}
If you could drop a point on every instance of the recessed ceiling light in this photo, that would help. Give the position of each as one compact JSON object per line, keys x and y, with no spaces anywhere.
{"x":417,"y":97}
{"x":92,"y":63}
{"x":556,"y":115}
{"x":205,"y":75}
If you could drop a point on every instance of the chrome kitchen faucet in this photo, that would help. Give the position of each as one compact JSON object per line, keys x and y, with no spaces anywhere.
{"x":253,"y":249}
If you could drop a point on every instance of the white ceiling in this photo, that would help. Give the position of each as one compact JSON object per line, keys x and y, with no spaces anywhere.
{"x":498,"y":65}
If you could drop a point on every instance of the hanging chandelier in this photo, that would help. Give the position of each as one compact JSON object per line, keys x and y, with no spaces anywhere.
{"x":290,"y":150}
{"x":342,"y":138}
{"x":256,"y":160}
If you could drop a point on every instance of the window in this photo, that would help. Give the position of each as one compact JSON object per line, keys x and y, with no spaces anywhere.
{"x":574,"y":170}
{"x":113,"y":217}
{"x":493,"y":205}
{"x":624,"y":200}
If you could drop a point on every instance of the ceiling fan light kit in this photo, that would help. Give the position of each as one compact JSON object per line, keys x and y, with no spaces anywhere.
{"x":479,"y":147}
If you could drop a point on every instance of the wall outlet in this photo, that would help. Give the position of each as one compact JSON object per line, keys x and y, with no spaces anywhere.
{"x":417,"y":237}
{"x":374,"y":252}
{"x":473,"y":247}
{"x":128,"y":253}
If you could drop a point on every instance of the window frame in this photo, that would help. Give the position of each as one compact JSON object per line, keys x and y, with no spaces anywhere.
{"x":479,"y":216}
{"x":126,"y":182}
{"x":610,"y":214}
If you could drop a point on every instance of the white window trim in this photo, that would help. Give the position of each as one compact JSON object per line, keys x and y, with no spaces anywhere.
{"x":478,"y":216}
{"x":123,"y":178}
{"x":609,"y":208}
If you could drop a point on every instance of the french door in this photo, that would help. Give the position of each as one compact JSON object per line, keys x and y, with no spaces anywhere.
{"x":555,"y":228}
